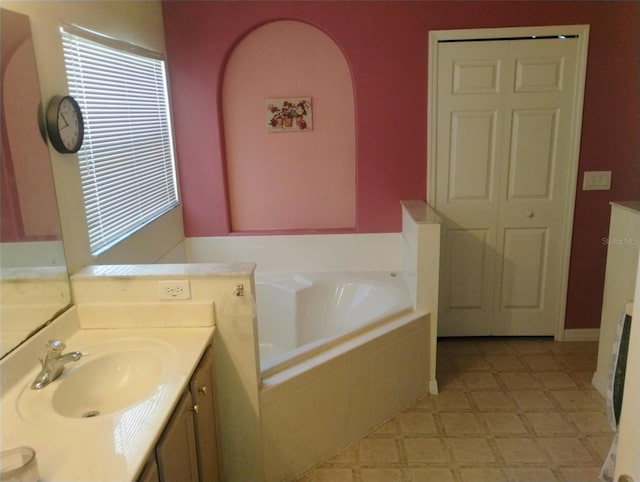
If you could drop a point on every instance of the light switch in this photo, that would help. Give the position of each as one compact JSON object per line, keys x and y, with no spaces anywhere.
{"x":596,"y":181}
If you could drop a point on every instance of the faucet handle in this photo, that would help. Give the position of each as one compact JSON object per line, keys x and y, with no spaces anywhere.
{"x":55,"y":347}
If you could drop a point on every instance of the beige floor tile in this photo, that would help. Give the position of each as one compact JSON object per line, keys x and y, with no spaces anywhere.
{"x":529,"y":347}
{"x":519,"y":450}
{"x":589,"y":347}
{"x":480,"y":380}
{"x":589,"y":422}
{"x":329,"y":475}
{"x":504,"y":423}
{"x":432,"y":475}
{"x":581,"y":474}
{"x":452,"y":401}
{"x":492,"y":401}
{"x":426,"y":450}
{"x":540,"y":363}
{"x":578,"y":363}
{"x":459,"y":423}
{"x":471,"y":450}
{"x":601,"y":444}
{"x":383,"y":475}
{"x":505,"y":363}
{"x":487,"y":474}
{"x":518,"y":381}
{"x":532,"y":400}
{"x":566,"y":450}
{"x":512,"y":409}
{"x":556,"y":380}
{"x":578,"y":399}
{"x":427,"y":402}
{"x":582,"y":379}
{"x":374,"y":450}
{"x":500,"y":346}
{"x":443,"y":363}
{"x":459,"y":347}
{"x":470,"y":363}
{"x":545,"y":423}
{"x":450,"y":381}
{"x":417,"y":422}
{"x":533,"y":474}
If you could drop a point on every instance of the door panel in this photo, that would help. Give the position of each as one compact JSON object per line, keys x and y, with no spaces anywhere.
{"x":539,"y":74}
{"x":523,"y":268}
{"x":472,"y":156}
{"x":532,"y":157}
{"x":476,"y":76}
{"x":504,"y":131}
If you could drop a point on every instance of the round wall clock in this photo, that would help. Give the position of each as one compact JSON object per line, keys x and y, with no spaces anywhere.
{"x":64,"y":124}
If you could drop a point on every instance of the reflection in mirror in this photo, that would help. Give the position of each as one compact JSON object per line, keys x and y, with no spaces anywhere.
{"x":34,"y":285}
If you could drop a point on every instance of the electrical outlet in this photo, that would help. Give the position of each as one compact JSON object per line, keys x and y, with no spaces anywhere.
{"x":174,"y":290}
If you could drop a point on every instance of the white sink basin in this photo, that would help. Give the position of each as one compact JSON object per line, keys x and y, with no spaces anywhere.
{"x":113,"y":376}
{"x":108,"y":383}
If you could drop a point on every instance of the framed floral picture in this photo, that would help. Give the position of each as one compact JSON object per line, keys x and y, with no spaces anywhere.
{"x":289,"y":114}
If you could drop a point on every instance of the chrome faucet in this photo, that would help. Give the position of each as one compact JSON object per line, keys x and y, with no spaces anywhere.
{"x":53,"y":364}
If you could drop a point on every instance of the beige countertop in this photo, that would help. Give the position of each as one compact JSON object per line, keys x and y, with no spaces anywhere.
{"x":110,"y":447}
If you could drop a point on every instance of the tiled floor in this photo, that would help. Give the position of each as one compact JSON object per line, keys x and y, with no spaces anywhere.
{"x":509,"y":409}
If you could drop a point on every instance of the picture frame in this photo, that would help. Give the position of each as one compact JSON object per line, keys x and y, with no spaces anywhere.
{"x":289,"y":114}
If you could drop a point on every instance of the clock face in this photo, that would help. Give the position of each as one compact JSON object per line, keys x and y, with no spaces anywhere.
{"x":64,"y":124}
{"x":68,"y":124}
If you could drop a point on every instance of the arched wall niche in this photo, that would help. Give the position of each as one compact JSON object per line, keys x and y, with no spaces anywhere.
{"x":300,"y":180}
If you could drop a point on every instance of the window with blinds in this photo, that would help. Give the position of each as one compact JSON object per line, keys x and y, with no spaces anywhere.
{"x":127,"y":159}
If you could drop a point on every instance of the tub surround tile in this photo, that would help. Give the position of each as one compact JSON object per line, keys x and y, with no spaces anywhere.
{"x":341,"y":400}
{"x":296,"y":253}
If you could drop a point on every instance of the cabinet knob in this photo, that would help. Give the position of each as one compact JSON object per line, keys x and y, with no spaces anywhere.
{"x":203,"y":389}
{"x":625,"y":478}
{"x":529,"y":214}
{"x":195,"y":408}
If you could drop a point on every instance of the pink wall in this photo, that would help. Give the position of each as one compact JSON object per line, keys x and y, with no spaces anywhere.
{"x":386,"y":46}
{"x":289,"y":180}
{"x":29,"y":209}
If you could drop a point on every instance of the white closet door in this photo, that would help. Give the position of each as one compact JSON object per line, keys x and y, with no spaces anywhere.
{"x":504,"y":111}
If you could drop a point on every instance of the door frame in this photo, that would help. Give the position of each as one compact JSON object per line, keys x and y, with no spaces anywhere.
{"x":582,"y":34}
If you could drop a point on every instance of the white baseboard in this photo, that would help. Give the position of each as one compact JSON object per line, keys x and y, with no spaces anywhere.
{"x":433,"y":387}
{"x":599,"y":381}
{"x":582,"y":334}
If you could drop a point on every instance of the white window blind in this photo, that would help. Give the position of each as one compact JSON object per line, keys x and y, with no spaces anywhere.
{"x":126,"y":161}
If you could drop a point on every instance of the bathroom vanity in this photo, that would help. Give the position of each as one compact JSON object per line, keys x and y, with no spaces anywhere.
{"x":172,"y":373}
{"x":188,"y":449}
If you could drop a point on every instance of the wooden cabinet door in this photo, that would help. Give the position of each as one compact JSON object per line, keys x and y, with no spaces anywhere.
{"x":203,"y":393}
{"x":176,"y":452}
{"x":150,"y":471}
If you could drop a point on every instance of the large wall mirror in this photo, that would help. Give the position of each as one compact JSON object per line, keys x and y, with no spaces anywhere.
{"x":34,"y":284}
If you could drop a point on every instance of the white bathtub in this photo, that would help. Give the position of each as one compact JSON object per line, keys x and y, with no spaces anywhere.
{"x":302,"y":314}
